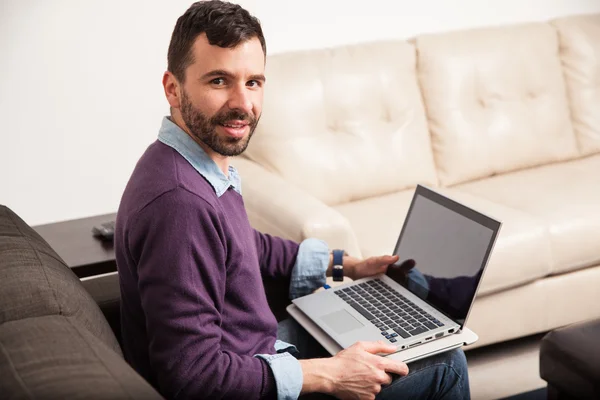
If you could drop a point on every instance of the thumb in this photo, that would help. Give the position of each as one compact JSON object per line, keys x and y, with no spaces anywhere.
{"x":384,"y":260}
{"x":387,"y":260}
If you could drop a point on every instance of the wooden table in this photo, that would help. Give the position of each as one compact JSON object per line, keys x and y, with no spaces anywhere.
{"x":74,"y":242}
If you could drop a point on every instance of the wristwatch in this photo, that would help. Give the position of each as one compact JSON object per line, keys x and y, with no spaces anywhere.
{"x":338,"y":265}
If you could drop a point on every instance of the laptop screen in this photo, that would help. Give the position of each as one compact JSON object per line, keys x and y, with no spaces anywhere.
{"x":443,"y":248}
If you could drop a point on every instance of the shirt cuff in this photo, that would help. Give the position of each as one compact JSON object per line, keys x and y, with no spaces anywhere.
{"x":287,"y":373}
{"x":311,"y":265}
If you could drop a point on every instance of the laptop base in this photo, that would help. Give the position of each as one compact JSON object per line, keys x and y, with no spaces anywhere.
{"x":446,"y":343}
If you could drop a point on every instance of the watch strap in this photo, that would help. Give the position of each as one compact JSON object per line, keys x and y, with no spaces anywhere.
{"x":338,"y":265}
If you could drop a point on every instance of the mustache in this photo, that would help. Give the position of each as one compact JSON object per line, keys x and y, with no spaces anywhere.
{"x":221,"y":119}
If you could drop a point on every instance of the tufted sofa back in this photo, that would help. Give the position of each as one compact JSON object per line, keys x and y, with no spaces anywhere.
{"x":345,"y":123}
{"x":496,"y":100}
{"x":360,"y":121}
{"x":580,"y":54}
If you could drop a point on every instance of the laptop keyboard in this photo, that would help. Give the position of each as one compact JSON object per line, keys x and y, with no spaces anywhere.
{"x":388,"y":310}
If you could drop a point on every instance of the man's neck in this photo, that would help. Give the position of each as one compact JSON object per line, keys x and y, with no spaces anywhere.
{"x":221,"y":161}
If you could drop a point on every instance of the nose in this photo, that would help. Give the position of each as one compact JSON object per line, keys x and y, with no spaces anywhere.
{"x":240,"y":99}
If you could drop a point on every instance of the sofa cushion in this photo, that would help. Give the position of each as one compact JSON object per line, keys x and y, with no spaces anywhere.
{"x":345,"y":123}
{"x":496,"y":100}
{"x":580,"y":55}
{"x":53,"y":357}
{"x":521,"y":253}
{"x":538,"y":306}
{"x":34,"y":281}
{"x":565,"y":197}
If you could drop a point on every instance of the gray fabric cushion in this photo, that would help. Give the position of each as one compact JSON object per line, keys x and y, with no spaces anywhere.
{"x":34,"y":281}
{"x":53,"y":357}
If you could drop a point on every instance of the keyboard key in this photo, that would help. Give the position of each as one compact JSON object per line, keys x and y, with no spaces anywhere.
{"x":394,"y":334}
{"x":362,"y":311}
{"x":393,"y":340}
{"x":417,"y":331}
{"x":438,"y":323}
{"x":383,"y":328}
{"x":402,"y":333}
{"x":384,"y":333}
{"x":430,"y":325}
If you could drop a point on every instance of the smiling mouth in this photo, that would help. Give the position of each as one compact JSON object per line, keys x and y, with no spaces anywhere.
{"x":235,"y":126}
{"x":236,"y":130}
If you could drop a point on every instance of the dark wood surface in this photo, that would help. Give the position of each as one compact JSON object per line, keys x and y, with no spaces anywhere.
{"x":74,"y":242}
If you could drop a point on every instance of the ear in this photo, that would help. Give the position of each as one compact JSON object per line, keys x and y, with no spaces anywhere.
{"x":172,"y":89}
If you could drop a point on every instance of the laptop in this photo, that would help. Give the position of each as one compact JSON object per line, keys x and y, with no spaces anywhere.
{"x":444,"y":248}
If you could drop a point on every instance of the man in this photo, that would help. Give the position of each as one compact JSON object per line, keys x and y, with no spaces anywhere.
{"x":195,"y":320}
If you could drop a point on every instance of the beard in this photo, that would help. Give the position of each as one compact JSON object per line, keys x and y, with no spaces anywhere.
{"x":204,"y":128}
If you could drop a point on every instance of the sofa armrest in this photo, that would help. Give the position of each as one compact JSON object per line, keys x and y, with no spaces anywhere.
{"x":279,"y":208}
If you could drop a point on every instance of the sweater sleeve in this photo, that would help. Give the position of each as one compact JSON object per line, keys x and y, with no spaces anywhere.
{"x":178,"y":245}
{"x":277,"y":256}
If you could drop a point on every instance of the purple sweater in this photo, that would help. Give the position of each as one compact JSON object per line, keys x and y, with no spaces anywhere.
{"x":193,"y":306}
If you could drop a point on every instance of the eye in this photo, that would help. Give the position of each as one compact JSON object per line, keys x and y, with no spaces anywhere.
{"x":218,"y":81}
{"x":254,"y":83}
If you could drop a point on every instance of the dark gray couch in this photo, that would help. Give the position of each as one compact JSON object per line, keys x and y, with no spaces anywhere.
{"x":54,"y":341}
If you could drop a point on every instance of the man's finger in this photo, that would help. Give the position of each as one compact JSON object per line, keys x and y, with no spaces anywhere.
{"x":379,"y":347}
{"x":395,"y":367}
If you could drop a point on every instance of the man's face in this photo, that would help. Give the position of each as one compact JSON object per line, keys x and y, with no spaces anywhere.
{"x":221,"y":99}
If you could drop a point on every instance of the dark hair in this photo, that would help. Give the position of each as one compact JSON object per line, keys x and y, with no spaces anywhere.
{"x":225,"y":24}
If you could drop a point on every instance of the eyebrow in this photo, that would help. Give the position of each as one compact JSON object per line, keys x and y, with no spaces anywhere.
{"x":222,"y":72}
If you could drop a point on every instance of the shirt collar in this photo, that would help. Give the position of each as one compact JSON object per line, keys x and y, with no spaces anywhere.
{"x":173,"y":136}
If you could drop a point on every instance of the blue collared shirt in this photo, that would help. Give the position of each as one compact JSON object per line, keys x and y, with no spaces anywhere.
{"x":308,"y":273}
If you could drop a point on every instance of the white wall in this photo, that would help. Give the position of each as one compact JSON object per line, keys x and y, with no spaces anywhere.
{"x":80,"y":91}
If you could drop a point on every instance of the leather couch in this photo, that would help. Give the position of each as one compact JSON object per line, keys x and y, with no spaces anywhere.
{"x":570,"y":362}
{"x":54,"y":341}
{"x":503,"y":119}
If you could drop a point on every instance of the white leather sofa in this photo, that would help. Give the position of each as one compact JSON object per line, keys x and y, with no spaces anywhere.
{"x":505,"y":119}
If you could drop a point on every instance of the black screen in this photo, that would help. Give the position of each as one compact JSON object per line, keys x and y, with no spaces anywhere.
{"x":443,"y":250}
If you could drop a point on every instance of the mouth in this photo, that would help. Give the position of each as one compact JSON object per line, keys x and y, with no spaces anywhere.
{"x":236,"y":129}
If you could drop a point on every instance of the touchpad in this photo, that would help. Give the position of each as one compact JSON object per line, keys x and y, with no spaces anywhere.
{"x":342,"y":321}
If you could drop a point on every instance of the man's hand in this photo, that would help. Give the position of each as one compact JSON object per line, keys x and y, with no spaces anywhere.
{"x":354,"y":373}
{"x":356,"y":269}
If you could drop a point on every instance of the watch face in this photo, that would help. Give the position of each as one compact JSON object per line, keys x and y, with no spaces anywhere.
{"x":338,"y":273}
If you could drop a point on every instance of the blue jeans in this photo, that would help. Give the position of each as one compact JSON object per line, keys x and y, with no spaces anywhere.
{"x":443,"y":376}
